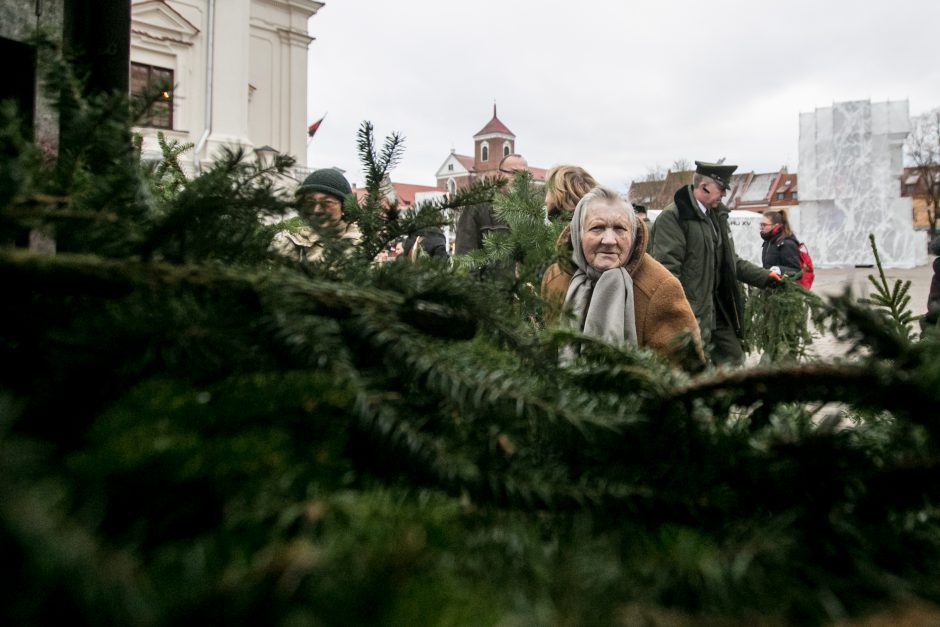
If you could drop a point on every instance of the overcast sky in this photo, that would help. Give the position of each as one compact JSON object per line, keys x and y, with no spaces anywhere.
{"x":616,"y":87}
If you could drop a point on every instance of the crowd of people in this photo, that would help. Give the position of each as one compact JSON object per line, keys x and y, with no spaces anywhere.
{"x":674,"y":286}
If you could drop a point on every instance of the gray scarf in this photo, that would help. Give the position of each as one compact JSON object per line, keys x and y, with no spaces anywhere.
{"x":602,"y":302}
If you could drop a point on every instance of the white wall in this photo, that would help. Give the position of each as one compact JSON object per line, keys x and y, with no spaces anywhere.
{"x":260,"y":71}
{"x":850,"y":164}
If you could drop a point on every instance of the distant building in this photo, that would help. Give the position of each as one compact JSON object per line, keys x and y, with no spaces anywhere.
{"x":914,"y":186}
{"x":248,"y":88}
{"x":769,"y":190}
{"x":851,"y":156}
{"x":657,"y":194}
{"x":749,"y":191}
{"x":493,"y":142}
{"x":407,"y":195}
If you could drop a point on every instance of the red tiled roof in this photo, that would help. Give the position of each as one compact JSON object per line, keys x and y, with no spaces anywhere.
{"x":783,"y":187}
{"x":495,"y":126}
{"x":465,"y":161}
{"x":405,"y":192}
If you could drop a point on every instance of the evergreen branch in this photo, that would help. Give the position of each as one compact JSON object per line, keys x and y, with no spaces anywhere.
{"x":775,"y":321}
{"x":895,"y":301}
{"x":871,"y":386}
{"x":494,"y":398}
{"x":480,"y":390}
{"x":68,"y":560}
{"x":867,"y":328}
{"x":63,"y":274}
{"x":374,"y":171}
{"x":392,"y":152}
{"x":421,"y":455}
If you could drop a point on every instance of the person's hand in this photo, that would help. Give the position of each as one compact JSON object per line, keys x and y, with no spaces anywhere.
{"x":775,"y":279}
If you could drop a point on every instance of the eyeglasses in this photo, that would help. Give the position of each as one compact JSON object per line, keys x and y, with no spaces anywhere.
{"x":764,"y":225}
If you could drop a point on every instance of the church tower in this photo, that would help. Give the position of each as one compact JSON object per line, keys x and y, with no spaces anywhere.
{"x":493,"y":142}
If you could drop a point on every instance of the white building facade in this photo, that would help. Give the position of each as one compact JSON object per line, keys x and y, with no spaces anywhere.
{"x":850,"y":166}
{"x":238,"y":70}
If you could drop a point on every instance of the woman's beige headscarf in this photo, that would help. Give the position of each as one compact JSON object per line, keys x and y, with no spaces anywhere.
{"x":602,"y":302}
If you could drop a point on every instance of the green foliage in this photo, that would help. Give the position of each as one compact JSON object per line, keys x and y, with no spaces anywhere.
{"x":378,"y":217}
{"x":776,"y":321}
{"x":194,"y":432}
{"x":893,"y":302}
{"x":521,"y":254}
{"x":166,"y":176}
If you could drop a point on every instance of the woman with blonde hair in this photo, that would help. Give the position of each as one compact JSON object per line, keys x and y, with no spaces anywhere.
{"x":565,"y":185}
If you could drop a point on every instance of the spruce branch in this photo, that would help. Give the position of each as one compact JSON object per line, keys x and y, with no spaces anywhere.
{"x":867,"y":386}
{"x":894,"y":300}
{"x":775,"y":321}
{"x":24,"y":272}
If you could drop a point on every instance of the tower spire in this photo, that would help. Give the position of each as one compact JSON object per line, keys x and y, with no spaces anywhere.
{"x":494,"y":108}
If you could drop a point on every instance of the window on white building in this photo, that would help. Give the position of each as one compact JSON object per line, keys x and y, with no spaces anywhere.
{"x":150,"y":81}
{"x":451,"y":186}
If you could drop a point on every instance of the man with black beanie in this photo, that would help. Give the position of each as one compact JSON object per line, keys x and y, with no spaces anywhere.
{"x":321,"y":197}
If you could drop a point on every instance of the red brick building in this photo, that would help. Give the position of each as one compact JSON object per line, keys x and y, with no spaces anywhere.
{"x":493,"y":142}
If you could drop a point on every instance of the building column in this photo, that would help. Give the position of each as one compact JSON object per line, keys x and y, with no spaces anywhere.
{"x":230,"y":81}
{"x":294,"y":122}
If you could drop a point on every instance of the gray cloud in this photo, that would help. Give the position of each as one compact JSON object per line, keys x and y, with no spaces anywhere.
{"x":615,"y":88}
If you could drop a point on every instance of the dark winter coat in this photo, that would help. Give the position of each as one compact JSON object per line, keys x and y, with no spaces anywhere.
{"x":662,"y":312}
{"x":699,"y":251}
{"x":473,"y":223}
{"x":782,"y":251}
{"x":933,"y":298}
{"x":432,"y":243}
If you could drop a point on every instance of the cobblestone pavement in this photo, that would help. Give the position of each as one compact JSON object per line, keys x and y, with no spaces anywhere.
{"x":833,"y":281}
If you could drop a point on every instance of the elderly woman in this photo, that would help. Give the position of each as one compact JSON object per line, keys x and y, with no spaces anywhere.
{"x":615,"y":290}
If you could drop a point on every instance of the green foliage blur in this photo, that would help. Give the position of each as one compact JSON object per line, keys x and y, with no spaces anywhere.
{"x":194,"y":431}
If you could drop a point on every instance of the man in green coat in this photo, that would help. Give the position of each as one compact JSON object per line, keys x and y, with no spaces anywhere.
{"x":691,"y":237}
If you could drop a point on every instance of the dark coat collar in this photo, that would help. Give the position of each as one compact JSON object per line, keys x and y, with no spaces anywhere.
{"x":687,"y":206}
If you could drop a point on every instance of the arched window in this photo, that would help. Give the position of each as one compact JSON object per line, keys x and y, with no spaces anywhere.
{"x":506,"y":149}
{"x":485,"y":152}
{"x":451,"y":186}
